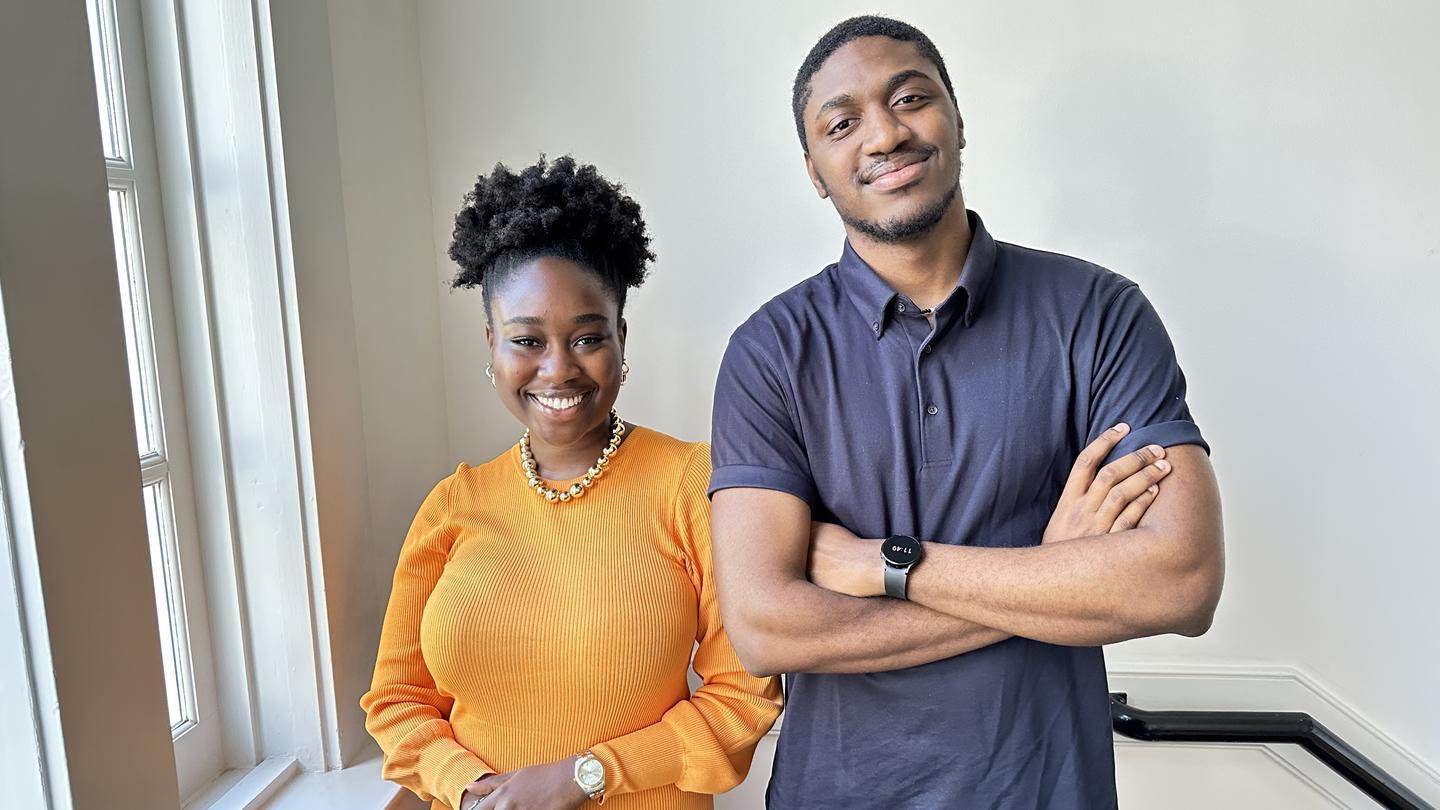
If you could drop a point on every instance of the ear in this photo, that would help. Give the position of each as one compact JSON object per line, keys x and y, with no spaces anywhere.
{"x":622,"y":330}
{"x":960,"y":125}
{"x":815,"y":178}
{"x":490,"y":338}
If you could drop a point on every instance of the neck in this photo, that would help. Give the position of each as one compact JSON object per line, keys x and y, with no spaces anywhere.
{"x":927,"y":269}
{"x":564,"y":462}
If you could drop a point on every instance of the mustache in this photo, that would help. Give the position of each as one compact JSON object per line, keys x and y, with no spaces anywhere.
{"x":895,"y":160}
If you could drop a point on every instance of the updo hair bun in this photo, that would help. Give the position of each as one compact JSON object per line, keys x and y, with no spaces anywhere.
{"x":557,"y":208}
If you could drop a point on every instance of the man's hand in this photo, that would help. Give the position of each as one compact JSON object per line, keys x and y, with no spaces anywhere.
{"x":538,"y":787}
{"x":1112,"y":500}
{"x":843,"y":563}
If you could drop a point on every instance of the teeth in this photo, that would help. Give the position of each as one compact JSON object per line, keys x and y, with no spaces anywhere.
{"x":558,"y":404}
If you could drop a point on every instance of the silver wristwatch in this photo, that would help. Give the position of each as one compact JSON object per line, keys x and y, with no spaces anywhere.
{"x":590,"y":775}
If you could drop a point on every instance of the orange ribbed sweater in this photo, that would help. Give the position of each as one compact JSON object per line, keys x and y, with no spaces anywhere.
{"x":521,"y":632}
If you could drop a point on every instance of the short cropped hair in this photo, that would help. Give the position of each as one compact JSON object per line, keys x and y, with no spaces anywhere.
{"x":845,"y":33}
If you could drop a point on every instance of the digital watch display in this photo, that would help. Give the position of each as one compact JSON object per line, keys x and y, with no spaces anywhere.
{"x":900,"y":552}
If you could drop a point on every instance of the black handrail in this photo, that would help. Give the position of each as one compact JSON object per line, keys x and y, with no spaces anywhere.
{"x":1298,"y":728}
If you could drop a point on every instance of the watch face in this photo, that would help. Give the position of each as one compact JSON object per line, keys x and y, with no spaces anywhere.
{"x":592,"y":774}
{"x":900,"y":550}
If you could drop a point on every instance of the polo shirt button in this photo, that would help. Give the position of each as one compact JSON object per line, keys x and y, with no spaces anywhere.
{"x":928,"y":348}
{"x":900,"y":307}
{"x":931,"y":409}
{"x":876,"y":327}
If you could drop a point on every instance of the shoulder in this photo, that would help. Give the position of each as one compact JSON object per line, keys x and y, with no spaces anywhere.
{"x":1070,"y":296}
{"x":804,"y":307}
{"x":675,"y":470}
{"x":667,"y":455}
{"x":469,"y":482}
{"x":1058,"y":273}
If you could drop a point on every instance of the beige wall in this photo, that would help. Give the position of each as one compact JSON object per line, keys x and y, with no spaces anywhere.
{"x":1267,"y":173}
{"x":359,"y":196}
{"x":367,"y":299}
{"x":374,"y":50}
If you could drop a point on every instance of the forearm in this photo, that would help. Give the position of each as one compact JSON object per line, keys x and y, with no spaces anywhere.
{"x":805,"y":628}
{"x":1088,"y":591}
{"x":425,"y":757}
{"x":1162,"y":577}
{"x":778,"y":621}
{"x":701,"y":745}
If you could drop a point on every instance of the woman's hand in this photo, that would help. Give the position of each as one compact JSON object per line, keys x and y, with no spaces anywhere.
{"x":1112,"y":500}
{"x":538,"y":787}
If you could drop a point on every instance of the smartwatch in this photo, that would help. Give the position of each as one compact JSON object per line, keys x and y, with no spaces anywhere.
{"x":900,"y":552}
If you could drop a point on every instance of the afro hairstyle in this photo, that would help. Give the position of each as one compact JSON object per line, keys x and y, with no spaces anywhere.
{"x":557,"y":208}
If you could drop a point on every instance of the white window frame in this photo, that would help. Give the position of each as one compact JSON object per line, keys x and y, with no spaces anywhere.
{"x":118,"y":49}
{"x":229,"y":367}
{"x":211,"y":77}
{"x":208,"y":69}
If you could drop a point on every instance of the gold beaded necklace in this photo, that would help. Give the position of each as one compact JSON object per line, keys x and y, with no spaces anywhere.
{"x":527,"y":461}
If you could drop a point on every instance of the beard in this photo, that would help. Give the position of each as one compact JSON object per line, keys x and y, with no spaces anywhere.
{"x":906,"y":229}
{"x":900,"y":229}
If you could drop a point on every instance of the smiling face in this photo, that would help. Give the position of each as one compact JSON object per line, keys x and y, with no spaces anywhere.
{"x":556,"y":344}
{"x":884,"y":139}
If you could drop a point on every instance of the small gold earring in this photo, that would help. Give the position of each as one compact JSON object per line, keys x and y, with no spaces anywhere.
{"x":490,"y":372}
{"x":624,"y":370}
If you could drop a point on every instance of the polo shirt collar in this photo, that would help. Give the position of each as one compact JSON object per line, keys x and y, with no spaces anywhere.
{"x":874,"y":298}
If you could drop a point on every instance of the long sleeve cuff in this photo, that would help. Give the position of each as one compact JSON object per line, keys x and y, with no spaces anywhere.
{"x":456,"y":773}
{"x":432,"y":764}
{"x":643,"y":759}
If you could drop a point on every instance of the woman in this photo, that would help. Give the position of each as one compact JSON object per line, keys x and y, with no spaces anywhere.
{"x":546,"y":603}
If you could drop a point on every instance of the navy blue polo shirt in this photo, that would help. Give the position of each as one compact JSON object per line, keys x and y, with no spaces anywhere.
{"x":839,"y":392}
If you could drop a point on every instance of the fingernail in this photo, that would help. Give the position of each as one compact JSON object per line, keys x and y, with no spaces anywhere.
{"x":1153,"y":489}
{"x":1157,"y":450}
{"x":1122,"y":428}
{"x":1162,"y":464}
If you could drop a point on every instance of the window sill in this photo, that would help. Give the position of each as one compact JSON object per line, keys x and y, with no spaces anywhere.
{"x":278,"y":784}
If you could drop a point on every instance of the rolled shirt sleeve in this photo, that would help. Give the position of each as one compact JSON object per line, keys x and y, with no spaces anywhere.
{"x":753,"y":425}
{"x":1137,"y":380}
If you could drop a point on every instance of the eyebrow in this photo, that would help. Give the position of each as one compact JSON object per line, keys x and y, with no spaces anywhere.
{"x":531,"y":320}
{"x":902,"y":77}
{"x":891,"y":85}
{"x":837,"y":101}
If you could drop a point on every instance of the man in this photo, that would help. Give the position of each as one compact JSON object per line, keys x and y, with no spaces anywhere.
{"x":938,"y":384}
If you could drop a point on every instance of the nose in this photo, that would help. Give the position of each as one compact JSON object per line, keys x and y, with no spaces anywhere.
{"x":887,"y":133}
{"x":558,"y":364}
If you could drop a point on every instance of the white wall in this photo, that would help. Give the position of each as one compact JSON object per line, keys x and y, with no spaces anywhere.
{"x":1265,"y":171}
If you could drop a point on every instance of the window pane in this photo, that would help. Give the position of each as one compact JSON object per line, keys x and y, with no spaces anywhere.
{"x":105,"y":56}
{"x":135,"y":311}
{"x":168,"y":599}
